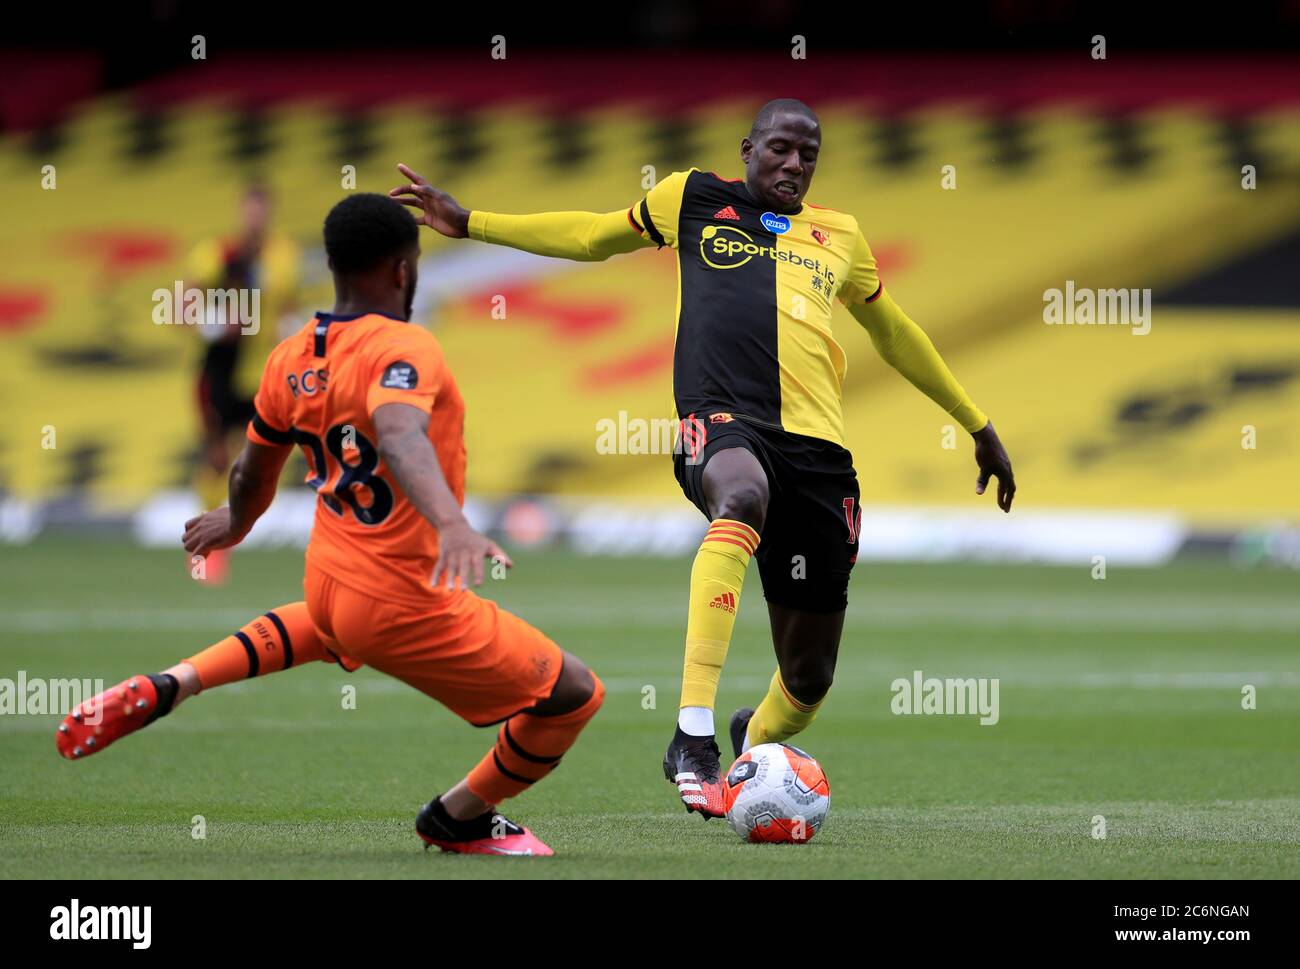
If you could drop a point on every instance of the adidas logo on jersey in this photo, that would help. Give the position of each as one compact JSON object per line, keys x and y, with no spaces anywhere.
{"x":725,"y":602}
{"x":727,"y":213}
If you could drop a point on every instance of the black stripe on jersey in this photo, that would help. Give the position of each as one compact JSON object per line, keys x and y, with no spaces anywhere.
{"x":880,"y":288}
{"x":650,"y":225}
{"x":725,"y":358}
{"x":252,"y":653}
{"x":269,"y":432}
{"x":322,"y":333}
{"x":284,"y":638}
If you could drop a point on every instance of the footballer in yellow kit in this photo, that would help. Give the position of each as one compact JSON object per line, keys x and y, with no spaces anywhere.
{"x":757,"y":377}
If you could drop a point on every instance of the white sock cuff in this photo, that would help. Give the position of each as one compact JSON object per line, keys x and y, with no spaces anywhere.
{"x":696,"y":721}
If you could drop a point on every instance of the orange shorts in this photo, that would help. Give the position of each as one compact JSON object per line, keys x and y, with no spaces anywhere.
{"x":481,"y":662}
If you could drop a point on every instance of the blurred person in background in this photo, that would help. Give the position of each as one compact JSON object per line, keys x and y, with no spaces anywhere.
{"x":254,"y":257}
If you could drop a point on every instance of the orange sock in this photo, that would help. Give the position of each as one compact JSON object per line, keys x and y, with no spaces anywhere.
{"x":281,"y":638}
{"x":528,"y":748}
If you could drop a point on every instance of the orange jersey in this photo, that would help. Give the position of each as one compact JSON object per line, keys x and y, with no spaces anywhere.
{"x":319,"y":390}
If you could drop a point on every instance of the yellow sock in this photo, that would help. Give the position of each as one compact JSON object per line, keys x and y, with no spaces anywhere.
{"x":780,"y":716}
{"x":716,"y":578}
{"x":211,"y":487}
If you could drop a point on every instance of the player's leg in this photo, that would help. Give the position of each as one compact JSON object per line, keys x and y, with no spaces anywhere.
{"x":487,"y":666}
{"x":733,"y":485}
{"x":807,"y":645}
{"x":223,"y":416}
{"x":278,"y":640}
{"x":809,"y":550}
{"x":214,"y":450}
{"x":529,"y":745}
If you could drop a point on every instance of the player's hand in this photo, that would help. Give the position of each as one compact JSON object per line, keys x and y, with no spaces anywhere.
{"x":439,"y":211}
{"x":461,"y":552}
{"x":993,"y":462}
{"x":209,"y":532}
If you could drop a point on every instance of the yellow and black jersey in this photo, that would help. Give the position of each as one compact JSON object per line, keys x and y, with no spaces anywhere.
{"x":754,"y":299}
{"x":219,"y":263}
{"x":756,"y":291}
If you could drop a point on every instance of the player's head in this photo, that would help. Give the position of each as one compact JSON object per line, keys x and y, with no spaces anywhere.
{"x":255,"y":210}
{"x":373,"y":246}
{"x":780,"y":154}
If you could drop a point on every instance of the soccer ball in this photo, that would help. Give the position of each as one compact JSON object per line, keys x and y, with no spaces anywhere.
{"x":777,"y":794}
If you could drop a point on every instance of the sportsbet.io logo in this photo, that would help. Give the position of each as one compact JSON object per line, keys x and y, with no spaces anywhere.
{"x":731,"y":247}
{"x":727,"y":247}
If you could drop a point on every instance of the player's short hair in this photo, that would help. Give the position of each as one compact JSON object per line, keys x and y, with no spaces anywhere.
{"x":365,"y":229}
{"x":766,"y":116}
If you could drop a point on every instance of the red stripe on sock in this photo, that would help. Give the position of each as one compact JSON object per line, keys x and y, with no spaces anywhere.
{"x":730,"y":541}
{"x":731,"y":533}
{"x":748,"y":534}
{"x":740,"y":527}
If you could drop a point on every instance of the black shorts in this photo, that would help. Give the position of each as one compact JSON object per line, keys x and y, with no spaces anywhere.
{"x":217,"y":394}
{"x":809,"y":542}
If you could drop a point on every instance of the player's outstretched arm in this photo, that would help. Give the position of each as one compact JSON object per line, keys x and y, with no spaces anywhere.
{"x":253,"y":478}
{"x":583,"y":236}
{"x":405,"y":447}
{"x":906,"y":348}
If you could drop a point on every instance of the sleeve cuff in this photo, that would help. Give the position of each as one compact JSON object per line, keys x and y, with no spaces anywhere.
{"x":263,"y":433}
{"x":969,"y":416}
{"x":478,"y":225}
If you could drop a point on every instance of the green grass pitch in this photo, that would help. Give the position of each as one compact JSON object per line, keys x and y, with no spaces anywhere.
{"x":1120,"y":698}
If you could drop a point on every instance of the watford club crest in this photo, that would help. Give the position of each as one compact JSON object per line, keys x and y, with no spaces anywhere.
{"x":822,"y":236}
